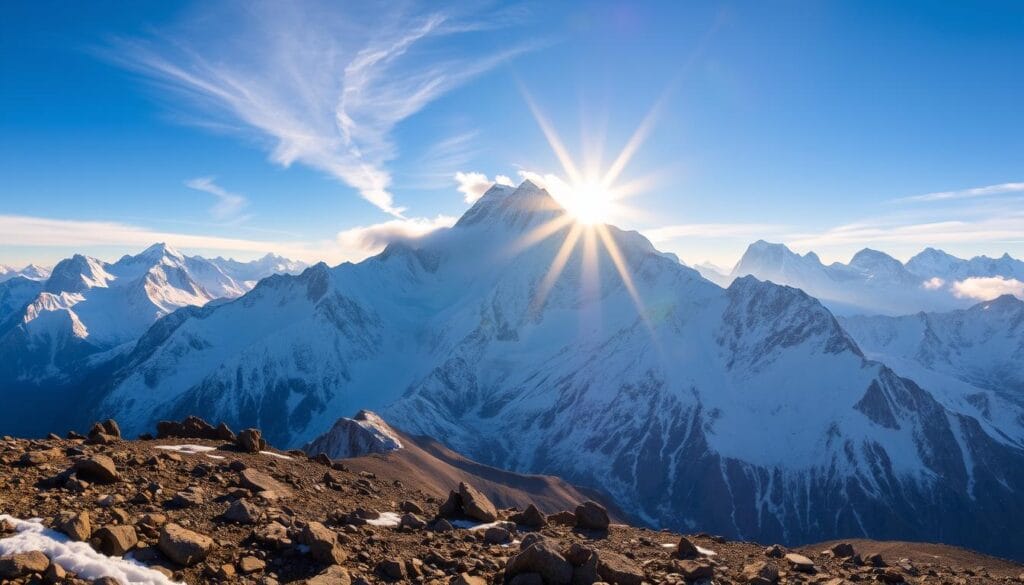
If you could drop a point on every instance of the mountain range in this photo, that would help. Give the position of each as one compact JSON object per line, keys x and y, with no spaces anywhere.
{"x":532,"y":344}
{"x":874,"y":282}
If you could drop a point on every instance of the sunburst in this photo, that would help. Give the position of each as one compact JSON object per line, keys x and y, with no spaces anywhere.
{"x":591,"y":197}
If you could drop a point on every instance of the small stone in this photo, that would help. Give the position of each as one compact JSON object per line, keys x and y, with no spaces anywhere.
{"x":243,"y":512}
{"x":410,"y":507}
{"x":543,"y":559}
{"x":322,"y":543}
{"x":250,"y":564}
{"x":591,"y":516}
{"x":55,"y":574}
{"x":761,"y":573}
{"x":694,"y":570}
{"x":261,"y":482}
{"x":75,"y":525}
{"x":117,"y":540}
{"x":800,"y":563}
{"x":410,"y":520}
{"x":184,"y":546}
{"x":774,"y":551}
{"x":23,"y":565}
{"x":531,"y":517}
{"x":251,"y":441}
{"x":563,"y":518}
{"x":97,"y":469}
{"x":334,"y":575}
{"x":391,"y":569}
{"x":467,"y":579}
{"x":843,"y":550}
{"x":686,"y":549}
{"x":497,"y":535}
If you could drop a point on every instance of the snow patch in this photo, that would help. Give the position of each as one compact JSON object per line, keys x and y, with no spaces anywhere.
{"x":386,"y":519}
{"x":474,"y":525}
{"x":272,"y":454}
{"x":187,"y":449}
{"x":76,"y":557}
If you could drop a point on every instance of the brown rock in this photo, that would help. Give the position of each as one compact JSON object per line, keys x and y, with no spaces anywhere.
{"x":531,"y":517}
{"x":410,"y":520}
{"x":334,"y":575}
{"x":97,"y":469}
{"x":183,"y":546}
{"x":251,"y":441}
{"x":528,"y":579}
{"x":23,"y":565}
{"x":761,"y":573}
{"x":800,"y":563}
{"x":774,"y":551}
{"x":543,"y":559}
{"x":410,"y":507}
{"x":843,"y":550}
{"x":55,"y":574}
{"x":250,"y":564}
{"x":686,"y":549}
{"x":391,"y":569}
{"x":563,"y":518}
{"x":476,"y":505}
{"x":467,"y":579}
{"x":591,"y":516}
{"x":451,"y":507}
{"x":117,"y":540}
{"x":322,"y":543}
{"x":497,"y":535}
{"x":615,"y":568}
{"x":193,"y":427}
{"x":243,"y":512}
{"x":76,"y":525}
{"x":694,"y":570}
{"x":261,"y":482}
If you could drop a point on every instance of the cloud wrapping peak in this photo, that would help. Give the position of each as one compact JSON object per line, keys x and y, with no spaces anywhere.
{"x":988,"y":288}
{"x":229,"y":205}
{"x":474,"y":185}
{"x":326,"y":87}
{"x":363,"y":241}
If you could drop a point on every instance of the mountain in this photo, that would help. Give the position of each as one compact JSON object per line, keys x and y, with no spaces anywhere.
{"x":54,"y":331}
{"x":872,"y":282}
{"x":971,"y":359}
{"x":249,"y":273}
{"x":31,"y":272}
{"x":745,"y":411}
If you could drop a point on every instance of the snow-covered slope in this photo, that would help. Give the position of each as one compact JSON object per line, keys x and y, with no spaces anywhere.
{"x":31,"y":272}
{"x":87,"y":305}
{"x":746,"y":411}
{"x":931,"y":263}
{"x":361,"y":435}
{"x":972,"y":360}
{"x":872,"y":282}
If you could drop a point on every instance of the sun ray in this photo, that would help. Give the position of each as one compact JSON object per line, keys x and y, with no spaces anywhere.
{"x":554,"y":141}
{"x":632,"y":146}
{"x":620,"y":265}
{"x":540,"y":233}
{"x":557,"y":266}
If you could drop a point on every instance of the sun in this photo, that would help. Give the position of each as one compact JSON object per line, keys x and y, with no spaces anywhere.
{"x":590,"y":203}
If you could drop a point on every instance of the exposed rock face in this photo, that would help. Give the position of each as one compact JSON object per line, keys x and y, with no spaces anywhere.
{"x":193,"y":427}
{"x":251,"y":441}
{"x":363,"y":434}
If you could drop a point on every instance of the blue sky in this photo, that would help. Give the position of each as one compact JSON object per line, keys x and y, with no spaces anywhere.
{"x":321,"y":130}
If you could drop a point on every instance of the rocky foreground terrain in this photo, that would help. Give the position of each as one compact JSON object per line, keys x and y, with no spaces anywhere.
{"x":202,"y":505}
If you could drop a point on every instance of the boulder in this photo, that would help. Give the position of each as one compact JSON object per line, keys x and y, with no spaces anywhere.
{"x":531,"y":517}
{"x":591,"y":516}
{"x":843,"y":550}
{"x":250,"y":441}
{"x":563,"y":518}
{"x":97,"y":469}
{"x":497,"y":535}
{"x":467,"y":579}
{"x":333,"y":575}
{"x":540,"y":558}
{"x":258,"y":482}
{"x":75,"y":524}
{"x":800,"y":563}
{"x":410,"y":520}
{"x":761,"y":573}
{"x":686,"y":549}
{"x":451,"y":507}
{"x":23,"y":565}
{"x":694,"y":570}
{"x":193,"y":427}
{"x":615,"y":568}
{"x":182,"y":545}
{"x":476,"y":505}
{"x":243,"y":512}
{"x":322,"y":543}
{"x":117,"y":540}
{"x":391,"y":569}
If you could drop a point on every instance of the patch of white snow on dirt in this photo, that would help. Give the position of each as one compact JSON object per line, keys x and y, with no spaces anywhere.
{"x":76,"y":557}
{"x":187,"y":449}
{"x":278,"y":455}
{"x":388,"y":519}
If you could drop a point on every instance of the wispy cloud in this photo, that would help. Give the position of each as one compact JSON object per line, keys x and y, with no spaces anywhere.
{"x":229,"y":205}
{"x":987,"y":288}
{"x":474,"y":185}
{"x":323,"y":85}
{"x":363,"y":241}
{"x":988,"y":190}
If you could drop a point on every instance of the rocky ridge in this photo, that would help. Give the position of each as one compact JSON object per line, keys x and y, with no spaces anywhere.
{"x":202,"y":509}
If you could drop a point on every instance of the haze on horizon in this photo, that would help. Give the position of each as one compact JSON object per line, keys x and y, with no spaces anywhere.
{"x":321,"y":131}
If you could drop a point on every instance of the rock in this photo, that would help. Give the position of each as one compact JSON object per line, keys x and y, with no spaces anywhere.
{"x":251,"y":441}
{"x":615,"y":568}
{"x":410,"y":507}
{"x":75,"y":524}
{"x":843,"y":550}
{"x":497,"y":535}
{"x":261,"y":482}
{"x":183,"y":546}
{"x":334,"y":575}
{"x":410,"y":520}
{"x":529,"y":539}
{"x":800,"y":563}
{"x":591,"y":516}
{"x":97,"y":469}
{"x":106,"y":581}
{"x":527,"y":579}
{"x":104,"y":433}
{"x":476,"y":505}
{"x":55,"y":574}
{"x":467,"y":579}
{"x":686,"y":549}
{"x":23,"y":565}
{"x":242,"y":512}
{"x":322,"y":543}
{"x":391,"y":569}
{"x":188,"y":497}
{"x":543,"y":559}
{"x":117,"y":540}
{"x":250,"y":564}
{"x":6,"y":527}
{"x":761,"y":573}
{"x":531,"y":517}
{"x":774,"y":551}
{"x":875,"y":560}
{"x":193,"y":427}
{"x":442,"y":525}
{"x":694,"y":570}
{"x":451,"y":507}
